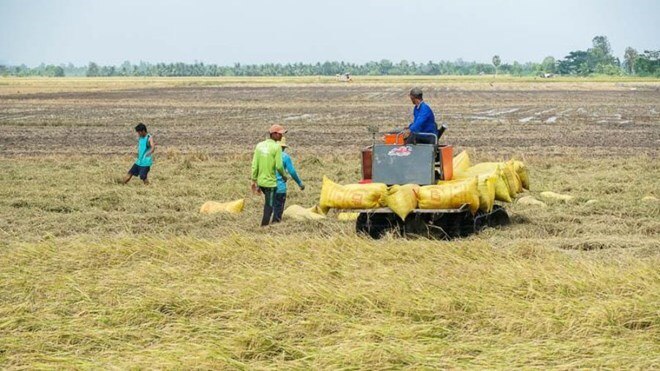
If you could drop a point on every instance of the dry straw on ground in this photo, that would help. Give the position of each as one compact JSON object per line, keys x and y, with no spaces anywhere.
{"x":94,"y":274}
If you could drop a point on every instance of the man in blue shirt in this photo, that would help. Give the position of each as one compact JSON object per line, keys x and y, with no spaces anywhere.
{"x":423,"y":123}
{"x":280,"y":193}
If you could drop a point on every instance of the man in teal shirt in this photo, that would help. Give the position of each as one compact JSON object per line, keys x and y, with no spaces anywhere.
{"x":280,"y":193}
{"x":266,"y":161}
{"x":144,"y":161}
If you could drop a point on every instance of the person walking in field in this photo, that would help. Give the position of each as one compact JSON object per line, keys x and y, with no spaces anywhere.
{"x":280,"y":193}
{"x":266,"y":162}
{"x":146,"y":147}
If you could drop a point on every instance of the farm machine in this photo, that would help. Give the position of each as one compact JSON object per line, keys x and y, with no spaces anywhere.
{"x":394,"y":161}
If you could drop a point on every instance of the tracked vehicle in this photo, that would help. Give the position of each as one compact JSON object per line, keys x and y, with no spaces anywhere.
{"x":396,"y":162}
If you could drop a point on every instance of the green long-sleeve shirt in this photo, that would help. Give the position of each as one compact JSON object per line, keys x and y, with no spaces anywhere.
{"x":266,"y":160}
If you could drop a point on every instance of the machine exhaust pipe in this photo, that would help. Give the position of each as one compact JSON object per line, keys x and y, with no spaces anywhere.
{"x":442,"y":129}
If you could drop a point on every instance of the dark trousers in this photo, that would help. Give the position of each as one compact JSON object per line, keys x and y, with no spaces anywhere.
{"x":280,"y":199}
{"x":415,"y":138}
{"x":269,"y":198}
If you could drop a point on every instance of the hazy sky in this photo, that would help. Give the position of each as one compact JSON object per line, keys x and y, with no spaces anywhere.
{"x":259,"y":31}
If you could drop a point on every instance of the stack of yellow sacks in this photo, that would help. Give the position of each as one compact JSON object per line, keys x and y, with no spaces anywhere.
{"x":508,"y":178}
{"x":477,"y":186}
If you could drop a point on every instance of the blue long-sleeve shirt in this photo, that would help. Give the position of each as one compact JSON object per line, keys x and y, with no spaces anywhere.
{"x":288,"y":166}
{"x":424,"y":120}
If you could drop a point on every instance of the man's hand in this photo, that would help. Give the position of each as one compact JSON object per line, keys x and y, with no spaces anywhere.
{"x":255,"y":188}
{"x":302,"y":187}
{"x":406,"y":133}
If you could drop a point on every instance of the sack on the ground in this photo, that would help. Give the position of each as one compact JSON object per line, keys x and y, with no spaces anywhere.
{"x":450,"y":195}
{"x":402,"y":199}
{"x":347,"y":217}
{"x":529,"y":200}
{"x":352,"y":196}
{"x":298,"y":212}
{"x":556,"y":197}
{"x":501,"y":186}
{"x":212,"y":207}
{"x":461,"y":162}
{"x":319,"y":210}
{"x":522,"y":172}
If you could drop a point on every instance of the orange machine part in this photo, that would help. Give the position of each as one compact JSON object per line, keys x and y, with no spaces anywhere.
{"x":447,"y":161}
{"x":367,"y":158}
{"x":396,"y":139}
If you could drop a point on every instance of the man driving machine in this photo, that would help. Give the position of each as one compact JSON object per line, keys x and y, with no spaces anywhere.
{"x":423,"y":129}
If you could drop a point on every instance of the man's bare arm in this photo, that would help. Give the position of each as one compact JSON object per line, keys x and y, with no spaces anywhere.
{"x":152,"y":147}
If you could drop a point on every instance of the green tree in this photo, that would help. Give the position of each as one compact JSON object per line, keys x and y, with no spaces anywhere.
{"x":496,"y":62}
{"x":575,"y":63}
{"x":630,"y":58}
{"x":404,"y":67}
{"x":648,"y":63}
{"x":92,"y":69}
{"x":385,"y":66}
{"x":601,"y":59}
{"x":601,"y":46}
{"x":126,"y":69}
{"x":516,"y":68}
{"x":58,"y":71}
{"x":549,"y":64}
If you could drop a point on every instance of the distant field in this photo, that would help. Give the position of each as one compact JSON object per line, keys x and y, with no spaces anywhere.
{"x":94,"y":274}
{"x":26,"y":85}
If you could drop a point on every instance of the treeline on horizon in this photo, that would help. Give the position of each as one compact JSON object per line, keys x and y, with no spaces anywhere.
{"x":596,"y":60}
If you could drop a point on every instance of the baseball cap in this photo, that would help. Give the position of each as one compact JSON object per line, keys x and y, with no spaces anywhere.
{"x":277,"y":129}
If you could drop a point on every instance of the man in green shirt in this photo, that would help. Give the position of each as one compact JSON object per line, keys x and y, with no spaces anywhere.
{"x":266,"y":161}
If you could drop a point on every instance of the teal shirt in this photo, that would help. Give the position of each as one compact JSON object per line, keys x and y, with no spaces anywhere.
{"x":288,"y":166}
{"x":143,"y":147}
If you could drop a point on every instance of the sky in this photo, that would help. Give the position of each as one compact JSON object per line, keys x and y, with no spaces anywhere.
{"x":280,"y":31}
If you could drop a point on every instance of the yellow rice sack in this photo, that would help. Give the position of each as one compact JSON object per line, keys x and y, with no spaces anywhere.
{"x":514,"y":177}
{"x":500,"y":183}
{"x":531,"y":201}
{"x":461,"y":162}
{"x":319,"y":210}
{"x":486,"y":188}
{"x":353,"y":196}
{"x":212,"y":207}
{"x":522,"y":172}
{"x":402,"y":199}
{"x":298,"y":212}
{"x":552,"y":196}
{"x":502,"y":192}
{"x":509,"y":175}
{"x":380,"y":188}
{"x":450,"y":194}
